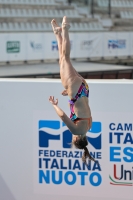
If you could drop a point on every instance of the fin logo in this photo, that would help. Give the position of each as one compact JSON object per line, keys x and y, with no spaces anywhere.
{"x":36,"y":46}
{"x":95,"y":135}
{"x":50,"y":130}
{"x":54,"y":46}
{"x":117,"y":44}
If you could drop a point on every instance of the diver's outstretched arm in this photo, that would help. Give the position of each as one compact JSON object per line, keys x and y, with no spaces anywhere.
{"x":74,"y":128}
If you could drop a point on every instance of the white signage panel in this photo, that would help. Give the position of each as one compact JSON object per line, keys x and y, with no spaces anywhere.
{"x":43,"y":46}
{"x":110,"y":45}
{"x":50,"y":46}
{"x":60,"y":167}
{"x":123,"y":44}
{"x":131,"y":44}
{"x":36,"y":145}
{"x":35,"y":46}
{"x":82,"y":45}
{"x":4,"y":56}
{"x":16,"y":46}
{"x":73,"y":41}
{"x":96,"y":45}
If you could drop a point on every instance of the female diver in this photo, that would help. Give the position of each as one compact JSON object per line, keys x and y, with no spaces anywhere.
{"x":76,"y":88}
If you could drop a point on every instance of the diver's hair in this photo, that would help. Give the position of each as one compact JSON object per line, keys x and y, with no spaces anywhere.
{"x":81,"y":143}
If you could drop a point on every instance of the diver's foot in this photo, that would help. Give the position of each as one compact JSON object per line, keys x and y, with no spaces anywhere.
{"x":65,"y":24}
{"x":56,"y":28}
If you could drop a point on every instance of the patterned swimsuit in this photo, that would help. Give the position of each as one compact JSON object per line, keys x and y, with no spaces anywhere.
{"x":82,"y":92}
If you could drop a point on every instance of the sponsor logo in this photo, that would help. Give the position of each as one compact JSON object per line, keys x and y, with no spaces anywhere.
{"x":86,"y":44}
{"x":124,"y":176}
{"x":54,"y":46}
{"x":36,"y":46}
{"x":61,"y":161}
{"x":116,"y":44}
{"x":121,"y":154}
{"x":93,"y":135}
{"x":13,"y":47}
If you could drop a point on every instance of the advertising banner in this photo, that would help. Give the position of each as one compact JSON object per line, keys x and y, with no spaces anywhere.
{"x":41,"y":46}
{"x":120,"y":137}
{"x":35,"y":46}
{"x":96,"y":45}
{"x":36,"y":145}
{"x":131,"y":44}
{"x":110,"y":44}
{"x":60,"y":166}
{"x":50,"y":46}
{"x":73,"y":41}
{"x":3,"y":47}
{"x":82,"y":45}
{"x":16,"y":46}
{"x":123,"y":44}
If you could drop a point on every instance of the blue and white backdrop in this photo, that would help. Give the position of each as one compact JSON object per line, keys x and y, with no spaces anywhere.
{"x":36,"y":158}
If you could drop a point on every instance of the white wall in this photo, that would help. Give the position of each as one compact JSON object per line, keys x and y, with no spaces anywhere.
{"x":42,"y":46}
{"x":23,"y":103}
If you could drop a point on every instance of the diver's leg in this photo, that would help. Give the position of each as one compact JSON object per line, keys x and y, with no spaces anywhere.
{"x":69,"y":76}
{"x":57,"y":31}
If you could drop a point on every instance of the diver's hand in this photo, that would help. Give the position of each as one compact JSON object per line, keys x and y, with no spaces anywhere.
{"x":52,"y":101}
